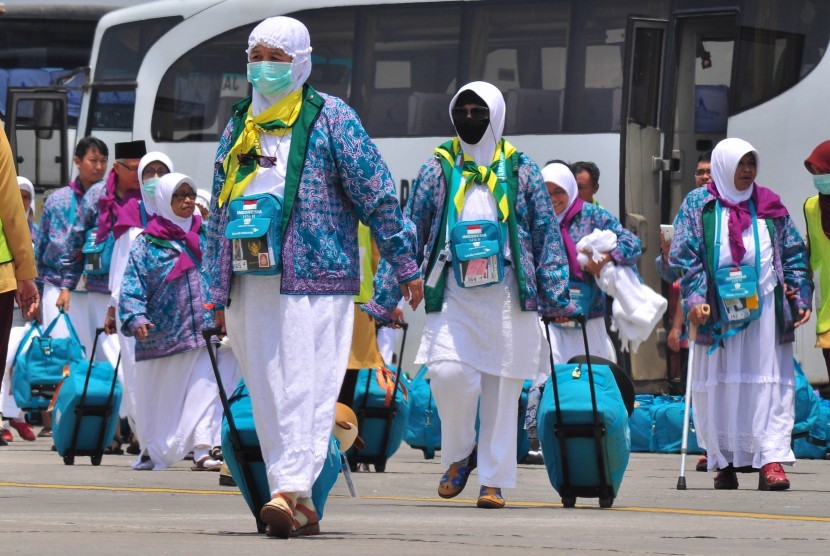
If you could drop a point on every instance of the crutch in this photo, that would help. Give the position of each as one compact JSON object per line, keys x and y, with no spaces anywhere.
{"x":684,"y":445}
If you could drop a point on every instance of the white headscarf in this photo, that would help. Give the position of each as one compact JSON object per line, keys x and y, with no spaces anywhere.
{"x":203,"y":198}
{"x":25,"y":184}
{"x":154,"y":156}
{"x":483,"y":151}
{"x":562,"y":176}
{"x":166,"y":186}
{"x":292,"y":37}
{"x":725,"y":158}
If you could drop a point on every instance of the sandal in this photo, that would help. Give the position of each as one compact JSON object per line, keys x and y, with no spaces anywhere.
{"x":312,"y":522}
{"x":490,"y":498}
{"x":278,"y":515}
{"x":207,"y":464}
{"x":702,"y":464}
{"x":114,"y":448}
{"x":455,"y":479}
{"x":772,"y":477}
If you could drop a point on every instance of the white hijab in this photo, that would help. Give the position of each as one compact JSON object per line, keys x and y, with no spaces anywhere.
{"x":725,"y":158}
{"x":154,"y":156}
{"x":166,"y":186}
{"x":25,"y":184}
{"x":562,"y":176}
{"x":292,"y":37}
{"x":483,"y":151}
{"x":203,"y":198}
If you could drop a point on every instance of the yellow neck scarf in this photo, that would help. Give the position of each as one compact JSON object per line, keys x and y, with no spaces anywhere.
{"x":278,"y":119}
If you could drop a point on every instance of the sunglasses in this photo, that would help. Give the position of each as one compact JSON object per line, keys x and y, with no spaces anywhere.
{"x":479,"y":113}
{"x":183,"y":196}
{"x":262,"y":160}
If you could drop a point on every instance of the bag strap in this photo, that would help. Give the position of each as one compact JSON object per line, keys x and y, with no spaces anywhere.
{"x":72,"y":333}
{"x":421,"y":372}
{"x":33,"y":327}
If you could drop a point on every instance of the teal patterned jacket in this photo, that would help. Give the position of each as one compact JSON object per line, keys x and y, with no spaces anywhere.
{"x":344,"y":180}
{"x":689,"y":258}
{"x":543,"y":261}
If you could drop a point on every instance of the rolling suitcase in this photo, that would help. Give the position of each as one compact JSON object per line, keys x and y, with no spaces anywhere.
{"x":381,"y":403}
{"x":583,"y":429}
{"x":85,"y":409}
{"x":240,"y":447}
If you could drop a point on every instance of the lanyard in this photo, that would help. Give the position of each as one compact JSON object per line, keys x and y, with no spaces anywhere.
{"x":716,"y":258}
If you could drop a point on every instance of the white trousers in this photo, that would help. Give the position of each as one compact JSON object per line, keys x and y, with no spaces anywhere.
{"x":456,"y":388}
{"x":292,"y":351}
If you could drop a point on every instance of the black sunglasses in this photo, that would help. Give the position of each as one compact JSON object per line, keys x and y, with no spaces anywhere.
{"x":183,"y":196}
{"x":479,"y":113}
{"x":261,"y":160}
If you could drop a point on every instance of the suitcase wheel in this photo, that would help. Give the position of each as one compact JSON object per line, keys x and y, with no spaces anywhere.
{"x":69,"y":460}
{"x":606,"y":502}
{"x":380,"y":467}
{"x":569,"y":501}
{"x":96,"y":460}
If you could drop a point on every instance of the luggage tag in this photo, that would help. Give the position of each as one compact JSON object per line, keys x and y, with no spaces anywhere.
{"x":347,"y":474}
{"x":443,"y":257}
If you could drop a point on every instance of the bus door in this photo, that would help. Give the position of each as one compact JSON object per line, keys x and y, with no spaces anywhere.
{"x":640,"y":176}
{"x":677,"y":105}
{"x":36,"y":125}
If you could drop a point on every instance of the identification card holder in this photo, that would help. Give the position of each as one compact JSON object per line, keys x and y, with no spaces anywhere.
{"x":97,"y":256}
{"x":255,"y":233}
{"x":738,"y":293}
{"x":477,"y":258}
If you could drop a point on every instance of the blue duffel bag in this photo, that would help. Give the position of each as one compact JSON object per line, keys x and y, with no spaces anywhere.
{"x":423,"y":431}
{"x":577,"y":425}
{"x":816,"y":443}
{"x":85,"y":414}
{"x":40,"y":367}
{"x":639,"y":424}
{"x":243,"y":418}
{"x":667,"y":426}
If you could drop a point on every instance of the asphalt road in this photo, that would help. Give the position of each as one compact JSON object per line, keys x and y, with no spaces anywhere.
{"x":49,"y":508}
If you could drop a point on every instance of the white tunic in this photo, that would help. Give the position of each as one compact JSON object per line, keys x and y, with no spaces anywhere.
{"x":743,"y":393}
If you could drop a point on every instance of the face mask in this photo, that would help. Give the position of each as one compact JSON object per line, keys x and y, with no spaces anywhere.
{"x":149,"y":187}
{"x":469,"y":130}
{"x":822,"y":183}
{"x":270,"y":78}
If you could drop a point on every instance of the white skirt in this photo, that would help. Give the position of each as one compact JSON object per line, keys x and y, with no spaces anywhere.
{"x":485,"y":329}
{"x":567,"y":342}
{"x":743,"y":396}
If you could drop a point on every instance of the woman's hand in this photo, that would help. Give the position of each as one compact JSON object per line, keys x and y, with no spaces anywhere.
{"x":219,"y":317}
{"x":413,"y":292}
{"x":665,"y":247}
{"x":673,"y":340}
{"x":109,"y":321}
{"x":144,"y":331}
{"x":594,"y":267}
{"x":803,"y":316}
{"x":397,"y":317}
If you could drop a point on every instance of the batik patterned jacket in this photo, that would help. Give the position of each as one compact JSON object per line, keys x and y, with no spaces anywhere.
{"x":690,"y":259}
{"x":53,"y":246}
{"x":542,"y":258}
{"x":175,"y":308}
{"x":343,"y":180}
{"x":626,"y":253}
{"x":99,"y":283}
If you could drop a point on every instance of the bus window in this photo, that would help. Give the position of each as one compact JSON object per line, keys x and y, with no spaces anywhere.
{"x":410,"y":62}
{"x":121,"y":51}
{"x":526,"y":58}
{"x":779,"y":43}
{"x":197,"y":92}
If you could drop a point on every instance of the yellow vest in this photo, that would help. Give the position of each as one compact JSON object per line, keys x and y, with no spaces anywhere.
{"x":5,"y":252}
{"x":364,"y":243}
{"x":820,"y":262}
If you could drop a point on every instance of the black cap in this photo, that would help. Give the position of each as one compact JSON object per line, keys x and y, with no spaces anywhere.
{"x":130,"y":149}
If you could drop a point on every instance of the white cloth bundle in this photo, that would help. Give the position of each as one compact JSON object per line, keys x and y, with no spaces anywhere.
{"x":636,"y":309}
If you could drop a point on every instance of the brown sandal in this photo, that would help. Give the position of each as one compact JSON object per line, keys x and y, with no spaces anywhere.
{"x":312,"y":525}
{"x":278,"y":515}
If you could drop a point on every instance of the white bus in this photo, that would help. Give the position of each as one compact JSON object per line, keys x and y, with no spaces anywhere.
{"x":640,"y":87}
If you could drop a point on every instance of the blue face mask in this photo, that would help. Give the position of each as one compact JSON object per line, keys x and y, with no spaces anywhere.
{"x":270,"y":78}
{"x":149,"y":187}
{"x":822,"y":183}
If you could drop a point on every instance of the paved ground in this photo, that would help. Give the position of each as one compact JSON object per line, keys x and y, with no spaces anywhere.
{"x":49,"y":508}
